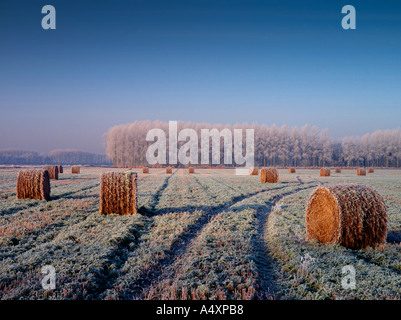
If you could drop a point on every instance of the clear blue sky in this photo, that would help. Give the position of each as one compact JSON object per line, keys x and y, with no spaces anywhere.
{"x":114,"y":62}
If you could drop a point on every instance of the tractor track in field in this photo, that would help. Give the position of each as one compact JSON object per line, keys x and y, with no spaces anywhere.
{"x":156,"y":197}
{"x":265,"y":264}
{"x":226,"y":185}
{"x":179,"y":248}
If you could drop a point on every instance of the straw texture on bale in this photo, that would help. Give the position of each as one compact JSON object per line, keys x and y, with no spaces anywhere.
{"x":53,"y":171}
{"x":337,"y":170}
{"x":60,"y":169}
{"x":145,"y":170}
{"x":191,"y":170}
{"x":291,"y":170}
{"x":118,"y":193}
{"x":75,"y":169}
{"x":324,"y":172}
{"x":269,"y":175}
{"x":354,"y":216}
{"x":33,"y":184}
{"x":371,"y":170}
{"x":253,"y":171}
{"x":169,"y":170}
{"x":361,"y":172}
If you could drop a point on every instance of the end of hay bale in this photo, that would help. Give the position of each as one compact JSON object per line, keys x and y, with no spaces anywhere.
{"x":354,"y":216}
{"x":291,"y":170}
{"x":361,"y":172}
{"x":337,"y":170}
{"x":33,"y":184}
{"x":118,"y":193}
{"x":75,"y":169}
{"x":145,"y":170}
{"x":191,"y":170}
{"x":169,"y":170}
{"x":60,"y":169}
{"x":325,"y":172}
{"x":53,"y":171}
{"x":371,"y":170}
{"x":253,"y":171}
{"x":268,"y":175}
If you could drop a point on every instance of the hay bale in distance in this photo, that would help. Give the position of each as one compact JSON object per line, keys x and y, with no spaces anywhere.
{"x":118,"y":193}
{"x":337,"y":170}
{"x":263,"y":175}
{"x":33,"y":184}
{"x":291,"y":170}
{"x":53,"y":171}
{"x":145,"y":170}
{"x":325,"y":172}
{"x":253,"y":171}
{"x":269,"y":175}
{"x":371,"y":170}
{"x":354,"y":216}
{"x":191,"y":170}
{"x":361,"y":172}
{"x":75,"y":169}
{"x":169,"y":170}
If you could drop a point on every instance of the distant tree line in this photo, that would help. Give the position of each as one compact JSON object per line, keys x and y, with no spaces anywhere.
{"x":283,"y":146}
{"x":62,"y":157}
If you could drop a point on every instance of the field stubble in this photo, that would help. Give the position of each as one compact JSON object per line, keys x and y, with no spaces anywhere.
{"x":207,"y":235}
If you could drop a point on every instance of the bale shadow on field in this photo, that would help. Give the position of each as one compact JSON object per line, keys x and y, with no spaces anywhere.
{"x":394,"y":236}
{"x":29,"y":204}
{"x":69,"y":194}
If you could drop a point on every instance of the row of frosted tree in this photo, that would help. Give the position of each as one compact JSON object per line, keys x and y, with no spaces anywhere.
{"x":63,"y":157}
{"x":283,"y":146}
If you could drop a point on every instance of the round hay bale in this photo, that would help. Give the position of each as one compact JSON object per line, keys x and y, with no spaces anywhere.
{"x":60,"y":169}
{"x":169,"y":170}
{"x":269,"y":175}
{"x":354,"y":216}
{"x":118,"y":193}
{"x":75,"y":169}
{"x":337,"y":170}
{"x":53,"y":171}
{"x":253,"y":171}
{"x":291,"y":170}
{"x":191,"y":170}
{"x":361,"y":172}
{"x":325,"y":172}
{"x":145,"y":170}
{"x":371,"y":170}
{"x":33,"y":184}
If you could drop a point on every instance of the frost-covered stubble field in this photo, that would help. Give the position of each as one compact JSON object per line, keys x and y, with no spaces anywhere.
{"x":208,"y":235}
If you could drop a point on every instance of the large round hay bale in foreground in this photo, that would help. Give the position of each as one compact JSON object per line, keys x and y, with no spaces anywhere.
{"x":253,"y":171}
{"x":325,"y":172}
{"x":75,"y":169}
{"x":291,"y":170}
{"x":33,"y":184}
{"x":191,"y":170}
{"x":361,"y":172}
{"x":53,"y":171}
{"x":118,"y":193}
{"x":269,"y":175}
{"x":354,"y":216}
